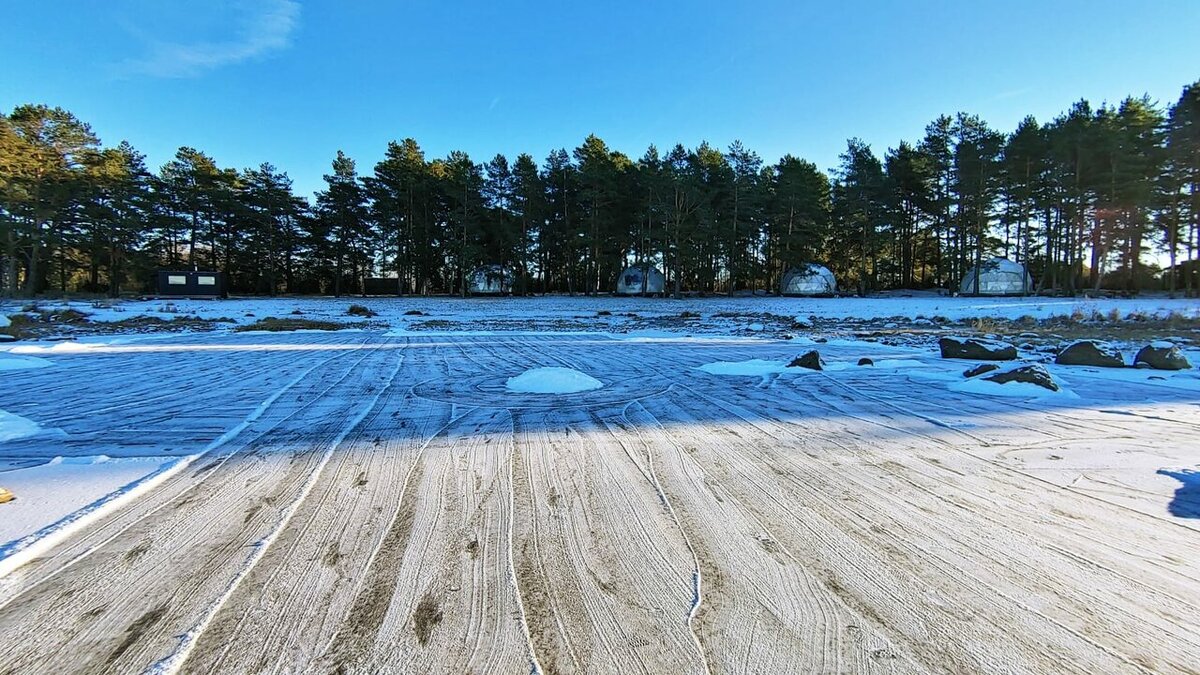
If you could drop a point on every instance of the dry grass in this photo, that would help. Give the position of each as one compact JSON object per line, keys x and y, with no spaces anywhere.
{"x":277,"y":325}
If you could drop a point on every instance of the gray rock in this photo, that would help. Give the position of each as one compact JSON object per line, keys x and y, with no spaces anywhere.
{"x":980,"y":369}
{"x":1090,"y":353}
{"x":1162,"y":356}
{"x":1032,"y":373}
{"x":811,"y":360}
{"x":976,"y":349}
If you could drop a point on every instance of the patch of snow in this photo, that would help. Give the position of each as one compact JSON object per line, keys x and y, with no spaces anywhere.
{"x":47,"y":493}
{"x":899,"y":363}
{"x":13,"y":427}
{"x":21,"y":362}
{"x":64,"y":347}
{"x":4,"y":322}
{"x":85,"y":460}
{"x":552,"y":380}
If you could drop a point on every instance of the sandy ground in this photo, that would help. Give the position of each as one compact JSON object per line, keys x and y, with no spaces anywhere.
{"x":384,"y":504}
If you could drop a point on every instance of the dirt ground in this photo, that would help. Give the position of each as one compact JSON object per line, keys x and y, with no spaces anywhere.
{"x":387,"y":506}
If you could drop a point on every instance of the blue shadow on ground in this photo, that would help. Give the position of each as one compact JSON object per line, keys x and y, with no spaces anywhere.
{"x":1186,"y":503}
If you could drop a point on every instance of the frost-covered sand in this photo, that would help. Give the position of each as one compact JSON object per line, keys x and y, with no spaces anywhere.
{"x":383,"y":500}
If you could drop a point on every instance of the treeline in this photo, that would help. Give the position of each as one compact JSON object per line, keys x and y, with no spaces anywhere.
{"x":1083,"y":201}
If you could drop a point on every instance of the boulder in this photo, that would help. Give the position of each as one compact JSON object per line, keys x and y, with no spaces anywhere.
{"x":864,"y":361}
{"x":980,"y":369}
{"x":976,"y":349}
{"x":1162,"y":356}
{"x":1032,"y":373}
{"x":811,"y":360}
{"x":1090,"y":353}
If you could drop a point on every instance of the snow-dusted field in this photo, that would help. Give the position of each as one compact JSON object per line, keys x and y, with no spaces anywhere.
{"x":390,"y":500}
{"x":510,"y":312}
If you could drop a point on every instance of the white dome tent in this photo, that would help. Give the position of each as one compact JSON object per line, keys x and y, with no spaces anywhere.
{"x":998,"y":276}
{"x":643,"y":280}
{"x":808,"y":279}
{"x":491,"y":280}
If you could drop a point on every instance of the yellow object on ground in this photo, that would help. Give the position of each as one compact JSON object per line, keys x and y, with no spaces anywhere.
{"x":6,"y":495}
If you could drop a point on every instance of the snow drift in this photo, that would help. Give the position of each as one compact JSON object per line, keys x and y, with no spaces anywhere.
{"x":552,"y":381}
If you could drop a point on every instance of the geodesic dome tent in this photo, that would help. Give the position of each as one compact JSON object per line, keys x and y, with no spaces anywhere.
{"x":808,"y":279}
{"x":998,"y":276}
{"x":644,"y":280}
{"x":491,"y":280}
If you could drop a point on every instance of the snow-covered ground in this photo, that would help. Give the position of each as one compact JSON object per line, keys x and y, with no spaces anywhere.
{"x":395,"y":312}
{"x":50,"y":493}
{"x":470,"y":500}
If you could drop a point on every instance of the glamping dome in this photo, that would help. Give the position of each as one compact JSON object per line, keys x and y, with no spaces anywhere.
{"x":644,"y":280}
{"x":998,"y":276}
{"x":491,"y":280}
{"x":808,"y":279}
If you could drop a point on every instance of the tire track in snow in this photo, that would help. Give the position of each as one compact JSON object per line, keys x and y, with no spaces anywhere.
{"x":373,"y":595}
{"x":174,"y":661}
{"x":697,"y":576}
{"x":76,"y":522}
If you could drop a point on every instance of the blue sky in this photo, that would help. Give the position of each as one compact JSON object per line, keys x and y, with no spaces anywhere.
{"x":291,"y":82}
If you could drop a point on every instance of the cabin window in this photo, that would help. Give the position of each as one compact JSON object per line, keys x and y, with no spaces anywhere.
{"x":177,"y":280}
{"x":206,"y":281}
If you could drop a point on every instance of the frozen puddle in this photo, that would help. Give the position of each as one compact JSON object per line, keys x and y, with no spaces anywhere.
{"x":552,"y":381}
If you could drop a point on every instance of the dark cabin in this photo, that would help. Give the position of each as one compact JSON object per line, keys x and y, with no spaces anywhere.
{"x":190,"y":285}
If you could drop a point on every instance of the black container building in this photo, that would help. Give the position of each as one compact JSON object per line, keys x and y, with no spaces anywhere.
{"x":190,"y":284}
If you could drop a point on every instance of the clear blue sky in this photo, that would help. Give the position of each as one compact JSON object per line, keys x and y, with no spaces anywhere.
{"x":291,"y":82}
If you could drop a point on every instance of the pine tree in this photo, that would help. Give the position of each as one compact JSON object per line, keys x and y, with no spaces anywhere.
{"x":529,"y":208}
{"x":798,"y":214}
{"x":343,"y":215}
{"x":860,"y":207}
{"x":48,"y":185}
{"x":745,"y":213}
{"x":1183,"y":186}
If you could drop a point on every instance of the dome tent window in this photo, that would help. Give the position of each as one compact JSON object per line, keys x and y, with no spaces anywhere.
{"x":491,"y":280}
{"x":997,"y":276}
{"x":808,"y":279}
{"x":641,"y":280}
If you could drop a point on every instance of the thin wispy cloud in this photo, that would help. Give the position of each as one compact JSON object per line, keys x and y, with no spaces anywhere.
{"x":259,"y":29}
